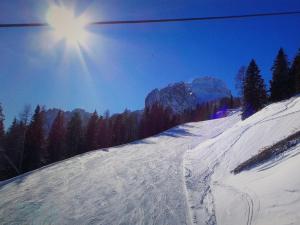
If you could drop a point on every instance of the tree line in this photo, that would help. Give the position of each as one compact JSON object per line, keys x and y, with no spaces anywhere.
{"x":26,"y":145}
{"x":284,"y":84}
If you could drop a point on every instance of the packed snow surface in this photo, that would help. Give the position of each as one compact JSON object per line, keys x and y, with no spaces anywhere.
{"x":139,"y":183}
{"x":267,"y":194}
{"x":181,"y":176}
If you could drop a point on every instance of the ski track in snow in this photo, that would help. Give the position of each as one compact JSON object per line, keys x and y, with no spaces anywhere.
{"x":138,"y":183}
{"x":181,"y":176}
{"x":243,"y":196}
{"x":200,"y":198}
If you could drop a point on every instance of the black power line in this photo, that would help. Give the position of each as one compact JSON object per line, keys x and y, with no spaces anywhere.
{"x":195,"y":18}
{"x":166,"y":20}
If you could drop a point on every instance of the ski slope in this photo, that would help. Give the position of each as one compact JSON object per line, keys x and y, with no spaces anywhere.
{"x":181,"y":176}
{"x":267,"y":194}
{"x":139,"y":183}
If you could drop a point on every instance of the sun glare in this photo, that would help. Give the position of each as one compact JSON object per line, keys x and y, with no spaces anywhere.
{"x":66,"y":26}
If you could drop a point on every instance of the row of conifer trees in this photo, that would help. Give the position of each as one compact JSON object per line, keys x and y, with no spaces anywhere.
{"x":26,"y":145}
{"x":285,"y":83}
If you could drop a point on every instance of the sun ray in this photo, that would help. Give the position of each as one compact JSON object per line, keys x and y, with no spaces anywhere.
{"x":69,"y":29}
{"x":66,"y":26}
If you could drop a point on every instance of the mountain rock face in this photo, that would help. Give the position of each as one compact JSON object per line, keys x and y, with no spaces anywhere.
{"x":182,"y":96}
{"x":51,"y":114}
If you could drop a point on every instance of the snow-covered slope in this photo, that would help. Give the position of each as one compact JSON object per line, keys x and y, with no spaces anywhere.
{"x":139,"y":183}
{"x":181,"y":176}
{"x":263,"y":195}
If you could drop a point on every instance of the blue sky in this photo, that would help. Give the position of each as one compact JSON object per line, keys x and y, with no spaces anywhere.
{"x":124,"y":62}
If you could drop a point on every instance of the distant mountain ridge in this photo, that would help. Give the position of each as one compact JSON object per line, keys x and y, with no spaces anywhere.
{"x":181,"y":96}
{"x":50,"y":115}
{"x":178,"y":96}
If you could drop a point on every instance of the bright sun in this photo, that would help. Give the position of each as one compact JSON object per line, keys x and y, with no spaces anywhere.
{"x":67,"y":26}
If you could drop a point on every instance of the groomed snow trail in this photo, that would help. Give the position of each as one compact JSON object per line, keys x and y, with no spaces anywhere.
{"x":138,"y":183}
{"x":216,"y":196}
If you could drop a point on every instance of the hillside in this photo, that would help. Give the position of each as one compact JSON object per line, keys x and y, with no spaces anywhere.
{"x":182,"y":176}
{"x":266,"y":194}
{"x":138,"y":183}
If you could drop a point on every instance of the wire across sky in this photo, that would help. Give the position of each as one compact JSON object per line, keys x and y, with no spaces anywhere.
{"x":163,"y":20}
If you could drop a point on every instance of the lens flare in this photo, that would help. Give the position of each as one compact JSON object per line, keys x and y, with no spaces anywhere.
{"x":66,"y":26}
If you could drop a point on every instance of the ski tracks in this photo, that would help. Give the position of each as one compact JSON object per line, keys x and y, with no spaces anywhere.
{"x":198,"y":188}
{"x":251,"y":200}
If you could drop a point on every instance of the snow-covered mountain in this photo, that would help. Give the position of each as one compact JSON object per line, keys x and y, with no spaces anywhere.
{"x":181,"y":96}
{"x":182,"y":176}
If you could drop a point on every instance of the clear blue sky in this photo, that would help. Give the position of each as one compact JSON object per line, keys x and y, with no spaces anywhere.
{"x":125,"y":62}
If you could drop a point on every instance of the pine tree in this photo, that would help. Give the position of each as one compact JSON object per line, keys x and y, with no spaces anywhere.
{"x":8,"y":154}
{"x":109,"y":132}
{"x":56,"y":139}
{"x":105,"y":134}
{"x":118,"y":129}
{"x":14,"y":142}
{"x":25,"y":115}
{"x":34,"y":141}
{"x":295,"y":74}
{"x":23,"y":126}
{"x":231,"y":102}
{"x":239,"y":80}
{"x":2,"y":130}
{"x":280,"y":84}
{"x":101,"y":139}
{"x":127,"y":126}
{"x":255,"y":96}
{"x":11,"y":135}
{"x":6,"y":170}
{"x":74,"y":135}
{"x":156,"y":119}
{"x":132,"y":124}
{"x":92,"y":133}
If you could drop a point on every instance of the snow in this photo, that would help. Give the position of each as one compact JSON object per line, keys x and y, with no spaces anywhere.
{"x":181,"y":176}
{"x":267,"y":196}
{"x":259,"y":196}
{"x":139,"y":183}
